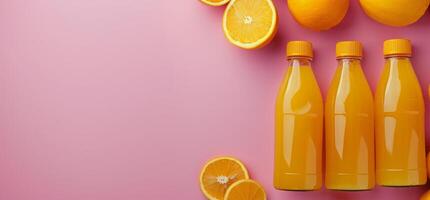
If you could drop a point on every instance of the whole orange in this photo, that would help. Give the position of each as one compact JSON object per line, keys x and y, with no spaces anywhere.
{"x":395,"y":12}
{"x":318,"y":14}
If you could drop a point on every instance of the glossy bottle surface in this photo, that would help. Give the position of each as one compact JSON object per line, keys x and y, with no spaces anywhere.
{"x":400,"y":140}
{"x":298,"y":130}
{"x":349,"y":120}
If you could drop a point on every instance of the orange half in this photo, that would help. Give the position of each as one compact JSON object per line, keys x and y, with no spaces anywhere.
{"x":245,"y":190}
{"x":215,"y":2}
{"x":250,"y":24}
{"x":218,"y":174}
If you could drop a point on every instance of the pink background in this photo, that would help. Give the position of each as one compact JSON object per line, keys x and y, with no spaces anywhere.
{"x":109,"y":99}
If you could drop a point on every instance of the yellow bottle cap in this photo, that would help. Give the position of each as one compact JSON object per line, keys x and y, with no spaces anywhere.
{"x":399,"y":47}
{"x":349,"y":49}
{"x":299,"y":49}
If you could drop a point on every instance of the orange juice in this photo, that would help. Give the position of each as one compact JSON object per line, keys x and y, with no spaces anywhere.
{"x":400,"y":140}
{"x":298,"y":124}
{"x":349,"y":124}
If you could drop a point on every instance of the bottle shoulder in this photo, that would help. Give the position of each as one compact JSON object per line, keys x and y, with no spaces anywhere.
{"x":399,"y":89}
{"x":299,"y":80}
{"x":400,"y":80}
{"x":348,"y":83}
{"x":299,"y":93}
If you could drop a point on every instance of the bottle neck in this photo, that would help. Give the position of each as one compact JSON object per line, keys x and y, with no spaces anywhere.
{"x":349,"y":61}
{"x":396,"y":62}
{"x":299,"y":61}
{"x":397,"y":58}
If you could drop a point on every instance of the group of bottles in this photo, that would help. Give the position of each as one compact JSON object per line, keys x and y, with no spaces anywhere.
{"x":361,"y":132}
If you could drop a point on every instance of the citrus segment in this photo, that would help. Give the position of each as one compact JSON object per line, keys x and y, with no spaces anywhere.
{"x":218,"y":174}
{"x":215,"y":2}
{"x":395,"y":12}
{"x":250,"y":24}
{"x":245,"y":190}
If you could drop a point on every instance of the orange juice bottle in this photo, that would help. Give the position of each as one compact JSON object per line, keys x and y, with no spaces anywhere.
{"x":349,"y":124}
{"x":400,"y":142}
{"x":298,"y":124}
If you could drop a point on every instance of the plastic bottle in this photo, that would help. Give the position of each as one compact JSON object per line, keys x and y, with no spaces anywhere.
{"x":349,"y":124}
{"x":298,"y":124}
{"x":400,"y":140}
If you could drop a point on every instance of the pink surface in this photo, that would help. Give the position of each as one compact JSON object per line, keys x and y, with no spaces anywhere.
{"x":108,"y":99}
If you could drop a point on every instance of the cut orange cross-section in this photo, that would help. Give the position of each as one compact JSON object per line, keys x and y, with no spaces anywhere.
{"x":245,"y":190}
{"x":218,"y":174}
{"x":250,"y":24}
{"x":215,"y":2}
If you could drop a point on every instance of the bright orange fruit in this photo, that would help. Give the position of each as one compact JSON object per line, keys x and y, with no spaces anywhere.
{"x":215,"y":2}
{"x":245,"y":190}
{"x":318,"y":15}
{"x":218,"y":174}
{"x":395,"y":13}
{"x":250,"y":24}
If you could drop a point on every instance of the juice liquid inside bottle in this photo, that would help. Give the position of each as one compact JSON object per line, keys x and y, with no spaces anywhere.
{"x":298,"y":124}
{"x":400,"y":135}
{"x":349,"y":120}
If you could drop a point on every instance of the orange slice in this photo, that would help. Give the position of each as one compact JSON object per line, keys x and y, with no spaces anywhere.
{"x":250,"y":24}
{"x":245,"y":190}
{"x":215,"y":2}
{"x":218,"y":174}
